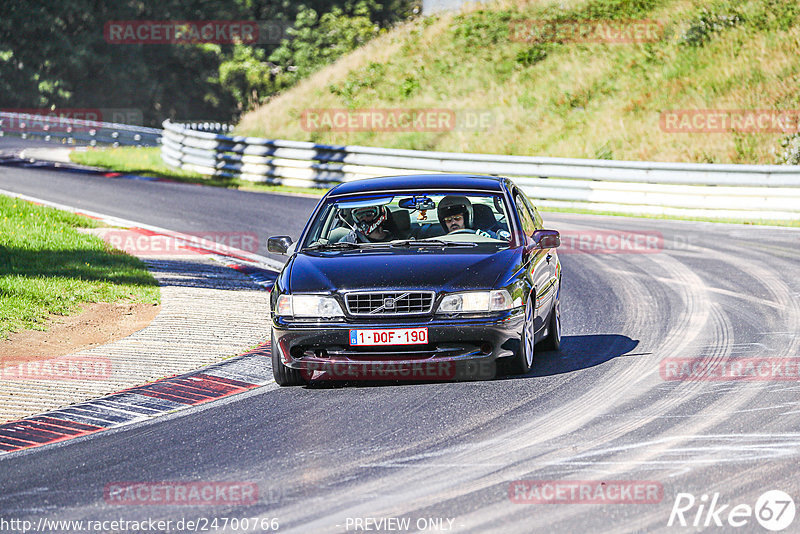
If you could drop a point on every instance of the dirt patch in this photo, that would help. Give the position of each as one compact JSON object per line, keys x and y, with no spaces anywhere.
{"x":98,"y":324}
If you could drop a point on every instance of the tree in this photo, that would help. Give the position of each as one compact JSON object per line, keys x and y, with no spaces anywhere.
{"x":55,"y":54}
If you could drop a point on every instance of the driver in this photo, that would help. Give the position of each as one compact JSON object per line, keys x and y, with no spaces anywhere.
{"x":455,"y":213}
{"x":372,"y":223}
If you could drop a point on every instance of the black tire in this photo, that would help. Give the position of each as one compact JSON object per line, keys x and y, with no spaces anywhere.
{"x":285,"y":376}
{"x":553,"y":339}
{"x":522,"y":361}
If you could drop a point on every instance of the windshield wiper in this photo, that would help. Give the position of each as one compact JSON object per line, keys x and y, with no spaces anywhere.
{"x":432,"y":243}
{"x":341,"y":245}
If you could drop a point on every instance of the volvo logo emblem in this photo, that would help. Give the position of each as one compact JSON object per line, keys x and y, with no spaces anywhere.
{"x":388,"y":303}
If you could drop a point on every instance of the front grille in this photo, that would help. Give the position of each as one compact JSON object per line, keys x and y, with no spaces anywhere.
{"x":382,"y":303}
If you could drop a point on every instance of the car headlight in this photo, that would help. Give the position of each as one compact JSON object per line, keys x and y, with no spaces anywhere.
{"x":476,"y":302}
{"x":308,"y":306}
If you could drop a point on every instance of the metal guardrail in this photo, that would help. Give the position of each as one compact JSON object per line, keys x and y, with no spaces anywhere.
{"x":76,"y":131}
{"x":671,"y":189}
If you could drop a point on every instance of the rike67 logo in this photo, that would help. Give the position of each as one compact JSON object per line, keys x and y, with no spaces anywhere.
{"x":774,"y":510}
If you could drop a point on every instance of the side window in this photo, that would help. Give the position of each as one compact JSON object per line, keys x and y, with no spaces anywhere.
{"x":539,"y":222}
{"x":537,"y":219}
{"x":528,"y":221}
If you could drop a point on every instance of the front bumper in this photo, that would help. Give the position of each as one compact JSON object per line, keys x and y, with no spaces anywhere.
{"x":457,"y":346}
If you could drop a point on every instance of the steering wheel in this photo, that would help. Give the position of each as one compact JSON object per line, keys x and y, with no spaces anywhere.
{"x":462,"y":231}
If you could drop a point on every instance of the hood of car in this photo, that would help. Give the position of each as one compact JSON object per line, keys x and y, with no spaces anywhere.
{"x":450,"y":269}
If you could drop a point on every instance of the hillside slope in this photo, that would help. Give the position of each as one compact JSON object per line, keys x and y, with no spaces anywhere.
{"x":539,"y":83}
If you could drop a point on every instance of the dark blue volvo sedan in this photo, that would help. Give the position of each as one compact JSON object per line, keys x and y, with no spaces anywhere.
{"x":416,"y":278}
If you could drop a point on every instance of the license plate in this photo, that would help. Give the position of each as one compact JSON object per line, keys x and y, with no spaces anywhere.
{"x":392,"y":336}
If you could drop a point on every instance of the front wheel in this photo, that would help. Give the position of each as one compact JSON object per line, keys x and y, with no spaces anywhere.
{"x":553,"y":339}
{"x":284,"y":376}
{"x":522,"y":361}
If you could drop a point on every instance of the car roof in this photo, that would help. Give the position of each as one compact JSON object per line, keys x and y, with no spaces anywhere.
{"x":419,"y":182}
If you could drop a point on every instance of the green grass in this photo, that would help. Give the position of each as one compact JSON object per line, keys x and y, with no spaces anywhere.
{"x":549,"y":96}
{"x":132,"y":160}
{"x":48,"y":267}
{"x":148,"y":162}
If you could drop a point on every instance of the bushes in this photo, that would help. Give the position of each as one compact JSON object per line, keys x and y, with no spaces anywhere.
{"x":790,"y":154}
{"x":705,"y":25}
{"x":54,"y":56}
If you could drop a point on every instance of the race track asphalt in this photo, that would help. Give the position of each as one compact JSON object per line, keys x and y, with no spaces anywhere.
{"x":599,"y":410}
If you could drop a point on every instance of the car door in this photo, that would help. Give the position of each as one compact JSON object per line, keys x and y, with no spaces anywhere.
{"x":538,"y":267}
{"x":552,"y":256}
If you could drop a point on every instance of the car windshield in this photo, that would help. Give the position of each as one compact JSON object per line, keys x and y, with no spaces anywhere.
{"x":434,"y":218}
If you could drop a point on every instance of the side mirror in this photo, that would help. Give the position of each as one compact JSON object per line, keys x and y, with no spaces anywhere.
{"x":546,"y":239}
{"x":279,"y":244}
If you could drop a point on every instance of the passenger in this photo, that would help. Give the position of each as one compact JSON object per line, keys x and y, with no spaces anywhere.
{"x":372,"y":224}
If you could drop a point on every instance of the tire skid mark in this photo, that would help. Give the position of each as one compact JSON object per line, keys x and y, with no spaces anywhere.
{"x":714,"y":414}
{"x":444,"y":483}
{"x":780,"y":291}
{"x":502,"y":476}
{"x":726,"y":405}
{"x":698,"y":313}
{"x":704,"y":318}
{"x":618,"y":429}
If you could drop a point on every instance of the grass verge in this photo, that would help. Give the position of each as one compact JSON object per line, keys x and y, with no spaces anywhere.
{"x":509,"y":88}
{"x":147,"y":162}
{"x":48,"y":267}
